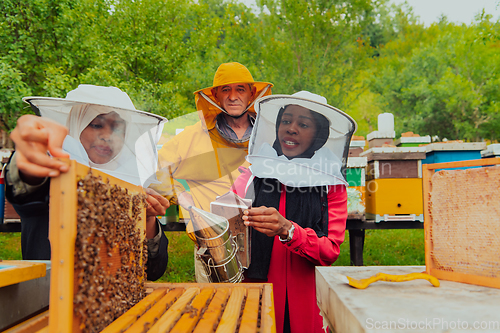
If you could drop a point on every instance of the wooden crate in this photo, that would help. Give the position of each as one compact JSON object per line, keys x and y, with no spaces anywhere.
{"x":190,"y":307}
{"x":394,"y":199}
{"x":462,"y":221}
{"x":97,"y":233}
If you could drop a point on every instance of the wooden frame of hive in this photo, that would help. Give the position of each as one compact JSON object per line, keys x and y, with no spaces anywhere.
{"x":16,"y":271}
{"x":189,"y":308}
{"x":201,"y":308}
{"x":62,"y":236}
{"x":433,"y":266}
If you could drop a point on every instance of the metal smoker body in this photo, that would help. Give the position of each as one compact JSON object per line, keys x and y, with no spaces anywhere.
{"x":216,"y":247}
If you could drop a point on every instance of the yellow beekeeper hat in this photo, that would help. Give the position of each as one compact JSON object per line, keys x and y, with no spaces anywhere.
{"x":227,"y":73}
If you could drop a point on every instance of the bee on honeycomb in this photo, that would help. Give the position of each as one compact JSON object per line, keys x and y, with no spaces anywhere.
{"x":110,"y":253}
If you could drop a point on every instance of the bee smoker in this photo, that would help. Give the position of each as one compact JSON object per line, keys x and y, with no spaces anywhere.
{"x":216,"y":248}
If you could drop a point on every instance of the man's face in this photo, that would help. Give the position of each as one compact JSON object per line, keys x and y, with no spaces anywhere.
{"x":234,"y":98}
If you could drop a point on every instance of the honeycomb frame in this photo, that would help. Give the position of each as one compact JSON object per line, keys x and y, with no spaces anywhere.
{"x":446,"y":256}
{"x":63,"y":231}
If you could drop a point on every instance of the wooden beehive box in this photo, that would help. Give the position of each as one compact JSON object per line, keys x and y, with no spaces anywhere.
{"x":491,"y":151}
{"x":189,"y":308}
{"x":462,"y":221}
{"x":394,"y":162}
{"x":394,"y":183}
{"x":231,"y":206}
{"x":142,"y":307}
{"x":22,"y":280}
{"x":97,"y":233}
{"x":201,"y":308}
{"x":356,"y":146}
{"x":16,"y":271}
{"x":441,"y":152}
{"x":412,"y":141}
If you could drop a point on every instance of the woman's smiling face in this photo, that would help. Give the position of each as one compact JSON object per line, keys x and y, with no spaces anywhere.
{"x":104,"y":137}
{"x":296,"y":131}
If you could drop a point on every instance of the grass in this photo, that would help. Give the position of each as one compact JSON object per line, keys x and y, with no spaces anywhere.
{"x":382,"y":248}
{"x":388,"y":248}
{"x":10,"y":246}
{"x":180,"y":258}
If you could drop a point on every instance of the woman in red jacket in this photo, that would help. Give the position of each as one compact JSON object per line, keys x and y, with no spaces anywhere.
{"x":299,"y":197}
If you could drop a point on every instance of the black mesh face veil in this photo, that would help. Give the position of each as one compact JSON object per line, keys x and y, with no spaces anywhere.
{"x":279,"y":150}
{"x":135,"y":160}
{"x":322,"y":133}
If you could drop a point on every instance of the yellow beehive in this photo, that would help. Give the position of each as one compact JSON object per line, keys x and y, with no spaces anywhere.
{"x":394,"y":184}
{"x":394,"y":197}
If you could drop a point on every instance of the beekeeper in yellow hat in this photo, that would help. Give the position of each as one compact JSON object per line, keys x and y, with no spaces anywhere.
{"x":207,"y":154}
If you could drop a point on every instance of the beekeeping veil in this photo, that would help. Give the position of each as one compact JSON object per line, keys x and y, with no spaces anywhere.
{"x":324,"y":161}
{"x":137,"y":160}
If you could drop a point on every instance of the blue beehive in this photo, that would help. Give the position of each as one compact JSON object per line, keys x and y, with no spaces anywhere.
{"x":441,"y":152}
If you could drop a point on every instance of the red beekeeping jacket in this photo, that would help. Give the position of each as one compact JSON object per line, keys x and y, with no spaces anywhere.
{"x":292,"y":264}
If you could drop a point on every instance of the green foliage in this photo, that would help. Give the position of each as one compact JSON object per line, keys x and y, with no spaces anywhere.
{"x":12,"y":90}
{"x":443,"y":85}
{"x":364,"y":56}
{"x":315,"y":46}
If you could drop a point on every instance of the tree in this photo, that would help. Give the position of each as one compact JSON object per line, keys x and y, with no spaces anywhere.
{"x":140,"y":46}
{"x":315,"y":46}
{"x":444,"y":85}
{"x":12,"y":90}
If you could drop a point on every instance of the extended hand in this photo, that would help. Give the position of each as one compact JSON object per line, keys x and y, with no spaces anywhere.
{"x":156,"y":205}
{"x":267,"y":220}
{"x":34,"y":136}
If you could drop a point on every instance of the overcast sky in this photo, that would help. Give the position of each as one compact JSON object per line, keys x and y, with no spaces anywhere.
{"x":461,"y":11}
